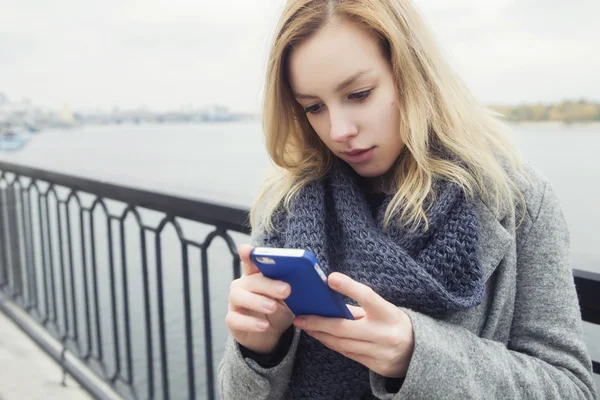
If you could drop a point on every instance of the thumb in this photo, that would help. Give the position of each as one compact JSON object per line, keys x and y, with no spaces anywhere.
{"x":248,"y":267}
{"x":373,"y":304}
{"x":357,"y":312}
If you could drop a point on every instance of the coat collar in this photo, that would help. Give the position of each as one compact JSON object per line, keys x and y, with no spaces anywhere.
{"x":494,"y":239}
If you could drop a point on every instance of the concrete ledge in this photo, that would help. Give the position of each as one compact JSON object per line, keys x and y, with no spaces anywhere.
{"x":30,"y":365}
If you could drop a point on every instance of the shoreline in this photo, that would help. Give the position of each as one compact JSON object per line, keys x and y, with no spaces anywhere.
{"x":556,"y":124}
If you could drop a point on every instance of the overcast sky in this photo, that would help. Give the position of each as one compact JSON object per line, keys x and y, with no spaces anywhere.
{"x":167,"y":54}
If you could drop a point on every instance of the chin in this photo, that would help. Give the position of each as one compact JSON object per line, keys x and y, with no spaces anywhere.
{"x":371,"y":170}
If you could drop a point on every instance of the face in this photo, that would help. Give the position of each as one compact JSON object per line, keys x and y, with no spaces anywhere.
{"x":345,"y":85}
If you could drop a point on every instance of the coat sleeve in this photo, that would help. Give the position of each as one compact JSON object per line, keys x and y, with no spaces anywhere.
{"x":240,"y":377}
{"x":243,"y":378}
{"x":546,"y":356}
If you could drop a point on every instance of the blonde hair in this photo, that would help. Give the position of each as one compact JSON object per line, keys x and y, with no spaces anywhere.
{"x":437,"y":113}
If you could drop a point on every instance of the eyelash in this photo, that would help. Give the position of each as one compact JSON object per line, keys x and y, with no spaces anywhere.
{"x":358,"y":96}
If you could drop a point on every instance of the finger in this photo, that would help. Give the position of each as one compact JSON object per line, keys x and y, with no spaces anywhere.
{"x":246,"y":323}
{"x":374,"y":305}
{"x":339,"y":327}
{"x":248,"y":267}
{"x":343,"y":345}
{"x":363,"y":359}
{"x":240,"y":298}
{"x":260,"y":284}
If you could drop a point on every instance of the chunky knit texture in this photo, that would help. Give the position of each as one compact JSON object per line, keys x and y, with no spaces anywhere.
{"x":433,"y":272}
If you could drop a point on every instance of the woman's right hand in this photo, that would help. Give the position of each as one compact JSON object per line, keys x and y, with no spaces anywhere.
{"x":257,"y":315}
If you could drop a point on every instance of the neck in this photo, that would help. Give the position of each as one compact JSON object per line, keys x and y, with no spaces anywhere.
{"x":379,"y":184}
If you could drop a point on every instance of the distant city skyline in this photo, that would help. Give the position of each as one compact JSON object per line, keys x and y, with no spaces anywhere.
{"x":202,"y":53}
{"x":5,"y":99}
{"x":116,"y":108}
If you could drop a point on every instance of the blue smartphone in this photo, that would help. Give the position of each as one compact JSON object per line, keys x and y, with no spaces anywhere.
{"x":299,"y":268}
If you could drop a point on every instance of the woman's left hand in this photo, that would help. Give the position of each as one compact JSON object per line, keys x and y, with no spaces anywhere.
{"x":380,"y":337}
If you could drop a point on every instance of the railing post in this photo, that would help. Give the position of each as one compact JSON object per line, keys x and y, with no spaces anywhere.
{"x":3,"y":239}
{"x":14,"y":210}
{"x":11,"y":243}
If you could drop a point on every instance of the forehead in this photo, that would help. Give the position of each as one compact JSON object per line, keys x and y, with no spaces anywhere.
{"x":335,"y":52}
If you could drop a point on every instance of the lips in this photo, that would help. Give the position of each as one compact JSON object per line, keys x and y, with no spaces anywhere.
{"x":357,"y":151}
{"x":358,"y":155}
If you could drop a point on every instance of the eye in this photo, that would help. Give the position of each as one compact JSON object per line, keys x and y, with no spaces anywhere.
{"x":360,"y":95}
{"x":314,"y":109}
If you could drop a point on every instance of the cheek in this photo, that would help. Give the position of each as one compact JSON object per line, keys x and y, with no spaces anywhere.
{"x":320,"y":125}
{"x":394,"y":118}
{"x":384,"y":119}
{"x":322,"y":130}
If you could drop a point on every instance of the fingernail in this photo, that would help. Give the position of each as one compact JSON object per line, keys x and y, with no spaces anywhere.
{"x":299,"y":322}
{"x":334,"y":281}
{"x":268,"y":305}
{"x":282,"y":288}
{"x":262,"y":325}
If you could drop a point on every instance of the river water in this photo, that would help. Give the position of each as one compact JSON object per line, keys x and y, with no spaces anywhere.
{"x":226,"y":163}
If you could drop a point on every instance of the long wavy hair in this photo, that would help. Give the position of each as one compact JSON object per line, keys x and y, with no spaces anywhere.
{"x":438,"y":115}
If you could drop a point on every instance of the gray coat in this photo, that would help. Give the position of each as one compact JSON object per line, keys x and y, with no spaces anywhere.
{"x":524,"y":341}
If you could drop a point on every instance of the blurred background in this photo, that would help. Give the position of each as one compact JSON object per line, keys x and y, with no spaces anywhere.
{"x":166,"y":96}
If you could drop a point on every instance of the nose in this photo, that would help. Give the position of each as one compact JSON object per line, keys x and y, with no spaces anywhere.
{"x":342,"y":127}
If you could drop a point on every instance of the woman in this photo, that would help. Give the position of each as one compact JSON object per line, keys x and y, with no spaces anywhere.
{"x":452,"y":253}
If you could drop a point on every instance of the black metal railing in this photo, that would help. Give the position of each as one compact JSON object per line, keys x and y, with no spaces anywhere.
{"x":132,"y":318}
{"x":588,"y":292}
{"x":51,"y":266}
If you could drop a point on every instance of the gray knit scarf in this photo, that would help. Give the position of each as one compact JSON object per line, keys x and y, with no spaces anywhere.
{"x":433,"y":272}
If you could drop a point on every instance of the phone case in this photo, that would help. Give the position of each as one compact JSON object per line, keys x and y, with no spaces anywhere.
{"x":299,"y":268}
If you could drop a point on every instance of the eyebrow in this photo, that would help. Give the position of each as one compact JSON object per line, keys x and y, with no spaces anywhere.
{"x":341,"y":86}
